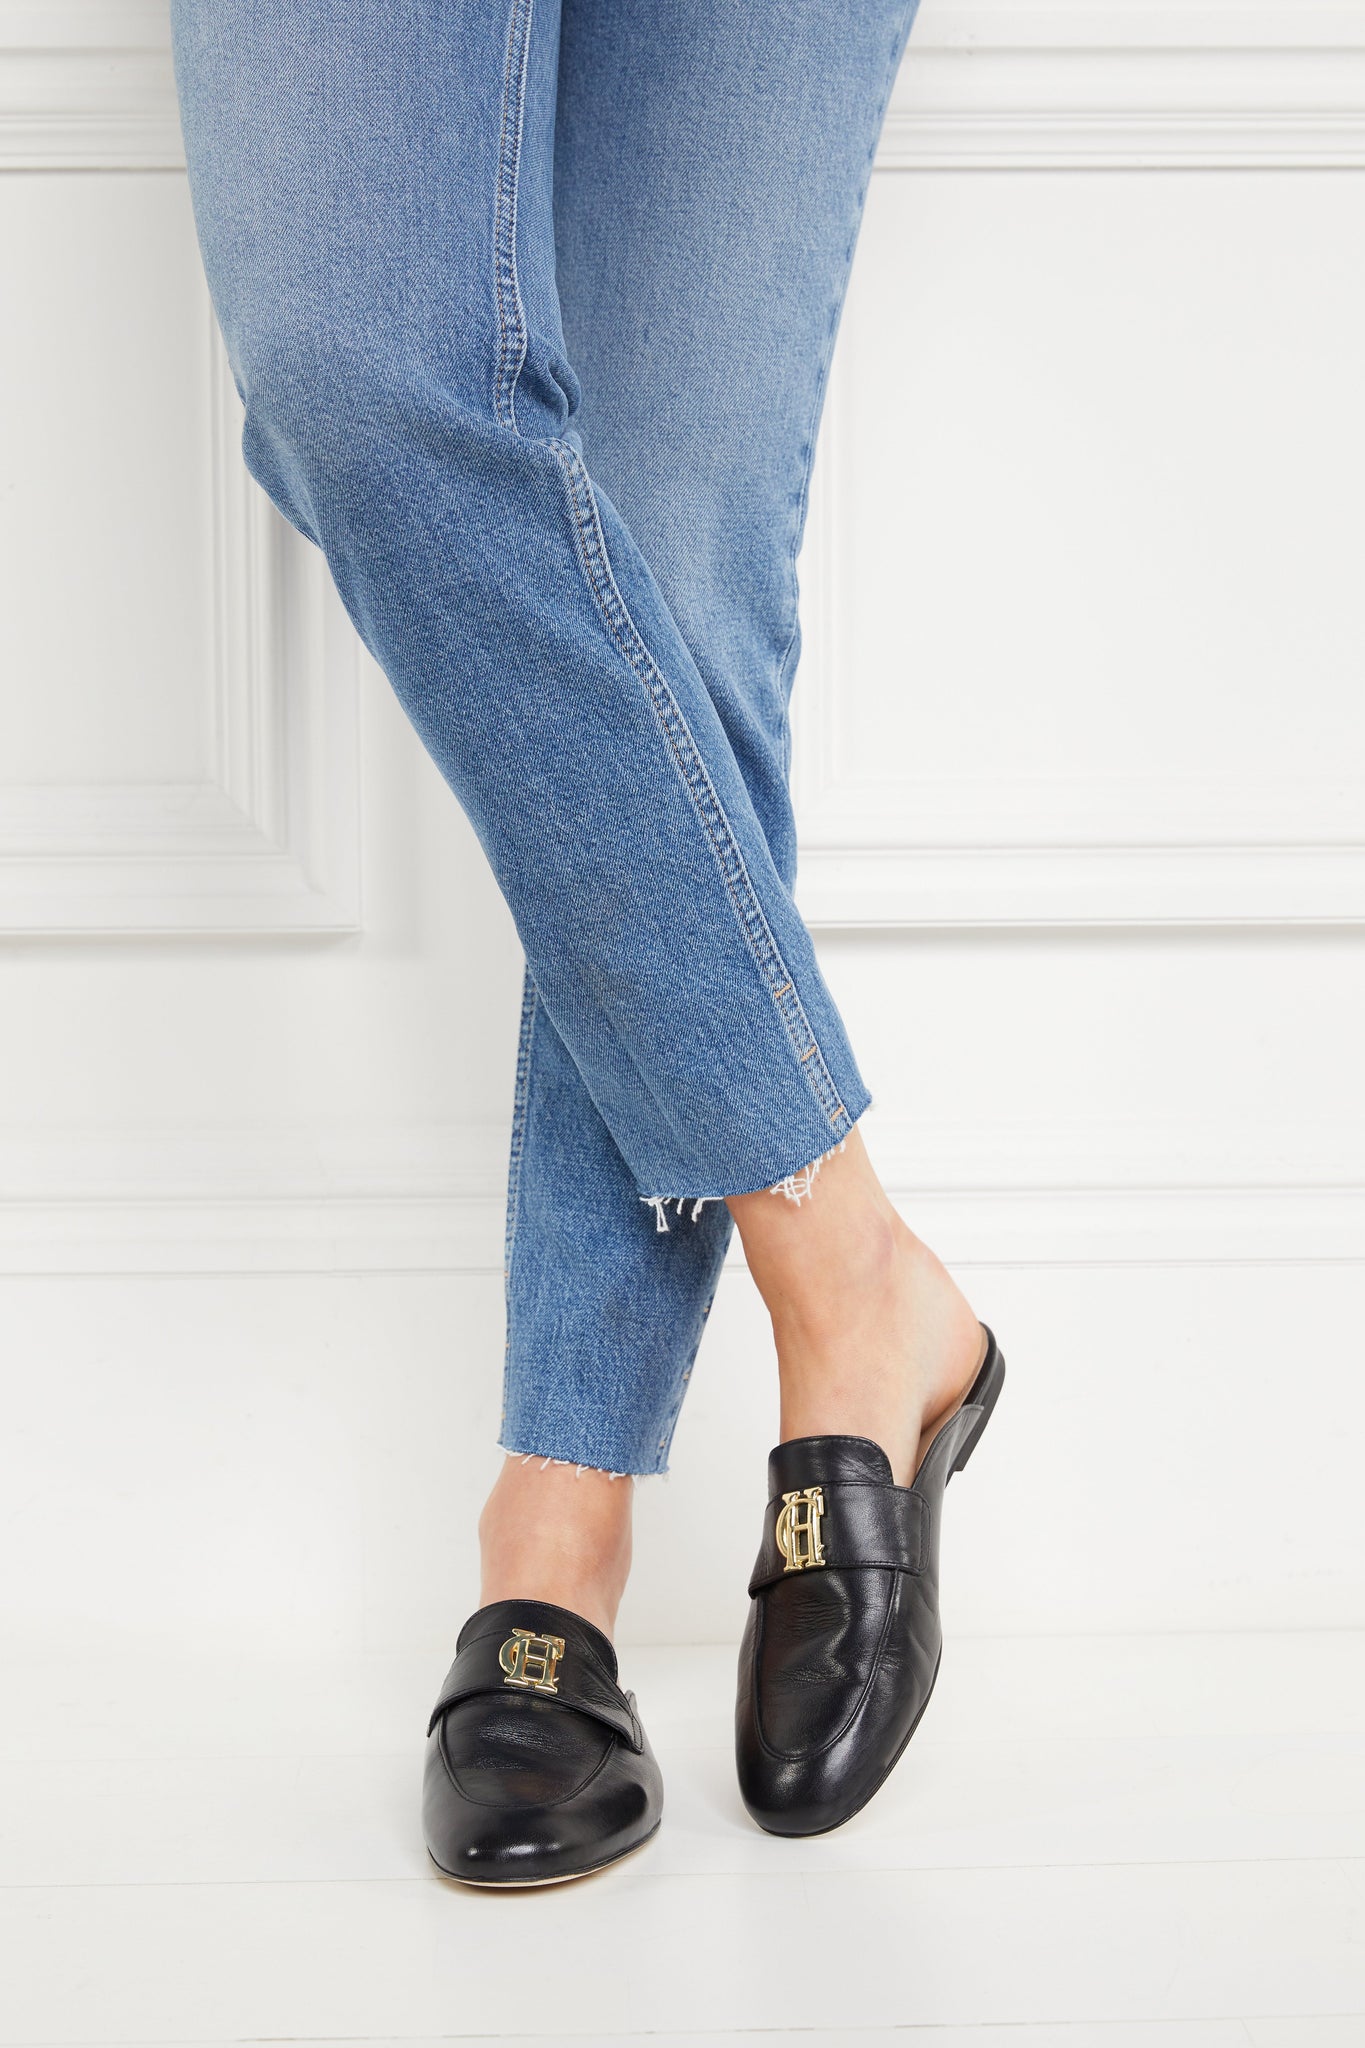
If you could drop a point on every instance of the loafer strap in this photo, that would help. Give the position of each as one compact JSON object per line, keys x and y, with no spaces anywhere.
{"x":555,"y":1669}
{"x":848,"y":1525}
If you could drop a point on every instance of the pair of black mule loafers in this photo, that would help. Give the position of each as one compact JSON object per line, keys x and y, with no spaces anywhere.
{"x":538,"y":1768}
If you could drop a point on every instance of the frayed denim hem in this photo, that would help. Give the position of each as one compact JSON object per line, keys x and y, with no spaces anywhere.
{"x":797,"y":1186}
{"x":579,"y":1467}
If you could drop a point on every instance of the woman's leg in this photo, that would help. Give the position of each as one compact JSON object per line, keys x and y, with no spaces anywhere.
{"x":374,"y":197}
{"x":374,"y":203}
{"x":702,"y":260}
{"x":373,"y":189}
{"x":873,"y":1336}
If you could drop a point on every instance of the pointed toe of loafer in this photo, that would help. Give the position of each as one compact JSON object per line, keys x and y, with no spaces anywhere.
{"x":537,"y":1767}
{"x":842,"y":1643}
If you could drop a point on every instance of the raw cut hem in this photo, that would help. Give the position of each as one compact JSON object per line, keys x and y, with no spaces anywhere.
{"x":544,"y":1459}
{"x":797,"y":1184}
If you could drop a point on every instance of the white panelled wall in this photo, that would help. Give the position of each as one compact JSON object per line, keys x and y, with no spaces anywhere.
{"x":1082,"y":772}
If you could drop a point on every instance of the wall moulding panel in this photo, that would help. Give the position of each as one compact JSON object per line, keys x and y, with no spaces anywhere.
{"x":87,"y":84}
{"x":891,"y":838}
{"x":268,"y":841}
{"x":895,"y":829}
{"x":266,"y":838}
{"x":1106,"y":84}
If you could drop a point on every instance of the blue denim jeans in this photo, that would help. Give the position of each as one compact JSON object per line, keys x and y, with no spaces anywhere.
{"x":530,"y":305}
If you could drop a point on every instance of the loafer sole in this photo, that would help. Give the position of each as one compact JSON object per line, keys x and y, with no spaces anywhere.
{"x":540,"y":1884}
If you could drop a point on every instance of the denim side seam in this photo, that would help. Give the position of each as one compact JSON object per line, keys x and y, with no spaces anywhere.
{"x":898,"y":43}
{"x":520,"y":1108}
{"x":697,"y":781}
{"x":512,"y":331}
{"x":513,"y":341}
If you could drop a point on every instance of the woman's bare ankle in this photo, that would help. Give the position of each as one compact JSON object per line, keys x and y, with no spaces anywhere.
{"x":560,"y":1533}
{"x":874,"y":1338}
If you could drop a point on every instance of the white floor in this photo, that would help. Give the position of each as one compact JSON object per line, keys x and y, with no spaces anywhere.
{"x":1140,"y":1842}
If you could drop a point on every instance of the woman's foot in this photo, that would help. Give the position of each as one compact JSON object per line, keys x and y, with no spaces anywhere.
{"x":873,"y":1336}
{"x":537,"y":1768}
{"x":559,"y":1533}
{"x":842,"y":1645}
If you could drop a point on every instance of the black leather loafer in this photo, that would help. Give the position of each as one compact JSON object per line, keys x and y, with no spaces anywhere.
{"x":537,"y":1767}
{"x":841,"y":1646}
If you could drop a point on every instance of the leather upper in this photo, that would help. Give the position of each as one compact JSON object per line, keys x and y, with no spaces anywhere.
{"x":525,"y":1785}
{"x":838,"y":1661}
{"x":585,"y":1679}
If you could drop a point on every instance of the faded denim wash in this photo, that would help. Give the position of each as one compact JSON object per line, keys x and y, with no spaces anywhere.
{"x":530,"y":304}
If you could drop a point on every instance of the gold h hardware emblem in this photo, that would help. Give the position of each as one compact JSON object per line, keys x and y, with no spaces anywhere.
{"x":530,"y":1660}
{"x":798,"y":1529}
